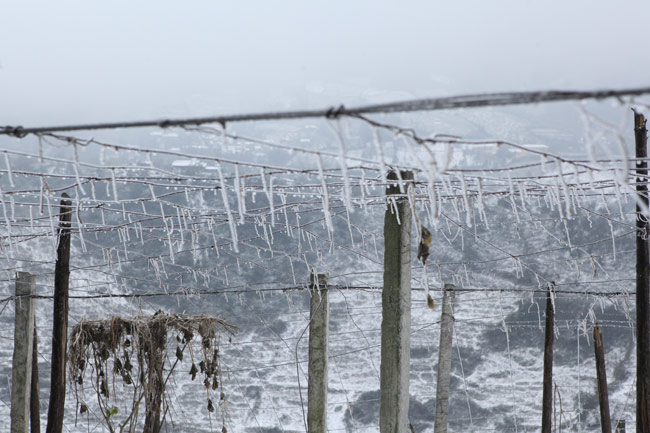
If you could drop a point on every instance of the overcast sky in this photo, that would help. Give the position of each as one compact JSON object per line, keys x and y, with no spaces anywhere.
{"x":80,"y":61}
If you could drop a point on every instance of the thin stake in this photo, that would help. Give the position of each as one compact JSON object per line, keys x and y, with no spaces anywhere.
{"x":60,"y":326}
{"x":642,"y":280}
{"x":547,"y":394}
{"x":603,"y":399}
{"x":34,"y":403}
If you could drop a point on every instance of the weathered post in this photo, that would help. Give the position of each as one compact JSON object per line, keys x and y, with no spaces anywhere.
{"x":396,"y":309}
{"x":35,"y":401}
{"x":153,"y":351}
{"x":444,"y":359}
{"x":642,"y":279}
{"x":21,"y":374}
{"x":603,"y":399}
{"x":620,"y":426}
{"x":60,"y":325}
{"x":318,"y":335}
{"x":547,"y":393}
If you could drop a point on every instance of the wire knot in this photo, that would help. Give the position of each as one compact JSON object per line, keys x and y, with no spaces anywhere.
{"x":335,"y":112}
{"x":16,"y":131}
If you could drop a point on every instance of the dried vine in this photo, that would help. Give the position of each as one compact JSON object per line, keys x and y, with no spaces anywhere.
{"x":143,"y":352}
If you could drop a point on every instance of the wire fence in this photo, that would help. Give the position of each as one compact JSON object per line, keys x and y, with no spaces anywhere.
{"x":232,"y":220}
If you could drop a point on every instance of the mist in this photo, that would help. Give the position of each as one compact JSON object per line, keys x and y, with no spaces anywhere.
{"x":78,"y":61}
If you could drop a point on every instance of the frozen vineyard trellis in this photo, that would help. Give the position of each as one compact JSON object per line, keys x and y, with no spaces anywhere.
{"x":231,"y":221}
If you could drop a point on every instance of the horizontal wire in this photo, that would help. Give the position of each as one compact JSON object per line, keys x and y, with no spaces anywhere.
{"x":429,"y":104}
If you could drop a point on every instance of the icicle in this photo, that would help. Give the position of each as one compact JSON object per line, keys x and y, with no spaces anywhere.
{"x":224,"y":196}
{"x":522,"y":195}
{"x":618,"y":199}
{"x":52,"y":227}
{"x":558,"y":199}
{"x":362,"y":189}
{"x":380,"y":151}
{"x":266,"y":235}
{"x":393,"y":204}
{"x":126,"y":251}
{"x":167,"y":230}
{"x":268,"y":189}
{"x":76,"y":169}
{"x":184,"y":213}
{"x":80,"y":222}
{"x":344,"y":168}
{"x":283,"y":200}
{"x":138,"y":232}
{"x":241,"y":198}
{"x":40,"y":148}
{"x":481,"y":206}
{"x":180,"y":228}
{"x":7,"y":221}
{"x":9,"y":171}
{"x":565,"y":188}
{"x":325,"y":197}
{"x":211,"y":224}
{"x":153,"y":194}
{"x":512,"y":197}
{"x":170,"y":231}
{"x":12,"y":204}
{"x":466,"y":199}
{"x":113,"y":181}
{"x":293,"y":273}
{"x":411,"y":197}
{"x":433,"y":203}
{"x":611,"y":231}
{"x":31,"y":219}
{"x":347,"y":214}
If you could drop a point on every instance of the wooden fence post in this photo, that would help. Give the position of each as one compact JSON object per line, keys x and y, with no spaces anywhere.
{"x":21,"y":374}
{"x":444,"y":359}
{"x":547,"y":394}
{"x":642,"y":280}
{"x":35,"y":401}
{"x":60,"y":325}
{"x":318,"y":335}
{"x":620,"y":426}
{"x":396,"y":310}
{"x":603,"y":399}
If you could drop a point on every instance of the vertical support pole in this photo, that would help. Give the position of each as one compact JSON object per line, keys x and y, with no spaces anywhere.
{"x":21,"y":374}
{"x":642,"y":280}
{"x":444,"y":359}
{"x":318,"y":335}
{"x":601,"y":374}
{"x":396,"y":309}
{"x":155,"y":378}
{"x":60,"y":325}
{"x":35,"y":401}
{"x":547,"y":394}
{"x":620,"y":426}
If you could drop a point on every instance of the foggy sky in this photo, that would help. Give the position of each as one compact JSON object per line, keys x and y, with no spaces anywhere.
{"x":74,"y":61}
